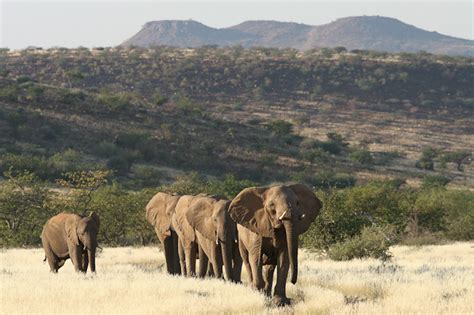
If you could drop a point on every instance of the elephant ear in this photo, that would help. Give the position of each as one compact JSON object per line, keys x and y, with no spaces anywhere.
{"x":309,"y":206}
{"x":199,"y":216}
{"x":96,"y":219}
{"x":156,"y":213}
{"x":171,"y":205}
{"x":71,"y":229}
{"x":247,"y":210}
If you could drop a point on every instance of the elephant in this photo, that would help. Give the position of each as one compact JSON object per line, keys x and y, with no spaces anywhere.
{"x":269,"y":221}
{"x":187,"y":244}
{"x":159,"y":212}
{"x":69,"y":235}
{"x":217,"y":239}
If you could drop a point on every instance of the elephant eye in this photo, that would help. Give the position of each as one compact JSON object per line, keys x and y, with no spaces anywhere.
{"x":297,"y":203}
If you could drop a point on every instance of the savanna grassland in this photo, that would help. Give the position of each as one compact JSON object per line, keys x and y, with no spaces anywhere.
{"x":424,"y":280}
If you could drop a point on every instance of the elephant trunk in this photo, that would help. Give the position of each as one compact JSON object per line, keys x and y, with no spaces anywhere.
{"x":226,"y":249}
{"x":91,"y":254}
{"x":292,"y":241}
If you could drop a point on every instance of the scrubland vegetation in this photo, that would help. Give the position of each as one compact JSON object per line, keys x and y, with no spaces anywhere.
{"x":384,"y":139}
{"x":425,"y":280}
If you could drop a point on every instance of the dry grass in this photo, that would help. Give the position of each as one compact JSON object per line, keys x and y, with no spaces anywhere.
{"x":428,"y":280}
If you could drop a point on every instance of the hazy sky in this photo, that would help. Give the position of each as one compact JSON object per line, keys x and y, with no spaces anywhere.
{"x":71,"y":23}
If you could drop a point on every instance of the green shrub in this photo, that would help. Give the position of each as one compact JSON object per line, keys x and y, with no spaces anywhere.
{"x":116,"y":101}
{"x":145,"y":176}
{"x":158,"y":98}
{"x":9,"y":93}
{"x":430,"y":181}
{"x":23,"y":209}
{"x":361,"y":156}
{"x":372,"y":242}
{"x":280,"y":127}
{"x":106,"y":149}
{"x":121,"y":164}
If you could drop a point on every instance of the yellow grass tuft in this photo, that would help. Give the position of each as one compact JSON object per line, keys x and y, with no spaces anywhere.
{"x":426,"y":280}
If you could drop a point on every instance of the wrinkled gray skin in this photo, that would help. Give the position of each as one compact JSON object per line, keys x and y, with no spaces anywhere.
{"x":217,"y":239}
{"x":269,"y":222}
{"x":68,"y":235}
{"x":159,"y":213}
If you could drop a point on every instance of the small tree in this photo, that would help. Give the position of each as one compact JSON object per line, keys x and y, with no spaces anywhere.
{"x":82,"y":184}
{"x":23,"y":209}
{"x":456,"y":157}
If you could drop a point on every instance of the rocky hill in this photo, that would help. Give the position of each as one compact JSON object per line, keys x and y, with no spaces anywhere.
{"x":362,"y":32}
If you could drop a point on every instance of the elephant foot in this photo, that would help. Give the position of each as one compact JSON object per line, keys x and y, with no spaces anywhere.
{"x":280,"y":301}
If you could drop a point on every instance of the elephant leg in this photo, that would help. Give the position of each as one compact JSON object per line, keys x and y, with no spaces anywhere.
{"x":182,"y":258}
{"x":210,"y":270}
{"x":53,"y":262}
{"x":61,"y":263}
{"x":245,"y":258}
{"x":237,"y":265}
{"x":190,"y":254}
{"x":268,"y":271}
{"x":217,"y":262}
{"x":256,"y":266}
{"x":279,"y":295}
{"x":203,"y":262}
{"x":75,"y":252}
{"x":85,"y":262}
{"x":176,"y":265}
{"x":168,"y":249}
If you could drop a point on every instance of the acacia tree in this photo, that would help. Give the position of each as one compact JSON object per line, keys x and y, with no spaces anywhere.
{"x":23,"y":209}
{"x":82,"y":184}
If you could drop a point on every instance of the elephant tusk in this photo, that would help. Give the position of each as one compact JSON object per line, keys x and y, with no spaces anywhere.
{"x":217,"y":241}
{"x":283,"y":215}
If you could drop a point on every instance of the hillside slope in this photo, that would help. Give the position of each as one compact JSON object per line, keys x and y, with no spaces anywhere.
{"x":324,"y":118}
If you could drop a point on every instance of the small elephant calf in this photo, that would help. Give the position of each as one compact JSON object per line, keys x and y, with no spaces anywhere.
{"x":68,"y":235}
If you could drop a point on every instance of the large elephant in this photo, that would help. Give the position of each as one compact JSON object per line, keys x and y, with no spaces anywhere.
{"x":269,"y":222}
{"x":159,"y":213}
{"x":217,"y":239}
{"x":68,"y":235}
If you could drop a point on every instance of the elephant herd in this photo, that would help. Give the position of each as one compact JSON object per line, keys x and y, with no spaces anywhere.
{"x":259,"y":228}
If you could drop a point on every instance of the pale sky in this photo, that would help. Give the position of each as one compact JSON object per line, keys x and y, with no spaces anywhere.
{"x":70,"y":23}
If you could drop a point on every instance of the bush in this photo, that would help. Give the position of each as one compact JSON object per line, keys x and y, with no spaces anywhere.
{"x":372,"y":242}
{"x":431,"y":181}
{"x":9,"y":93}
{"x":23,"y":209}
{"x":116,"y":101}
{"x":106,"y":149}
{"x":361,"y":156}
{"x":121,"y":164}
{"x":158,"y":98}
{"x":280,"y":127}
{"x":145,"y":176}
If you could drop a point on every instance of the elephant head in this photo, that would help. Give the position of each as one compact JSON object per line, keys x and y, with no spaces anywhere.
{"x":269,"y":210}
{"x":210,"y":217}
{"x":160,"y":210}
{"x":82,"y":231}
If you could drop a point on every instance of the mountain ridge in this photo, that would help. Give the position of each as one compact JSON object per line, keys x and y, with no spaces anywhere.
{"x":357,"y":32}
